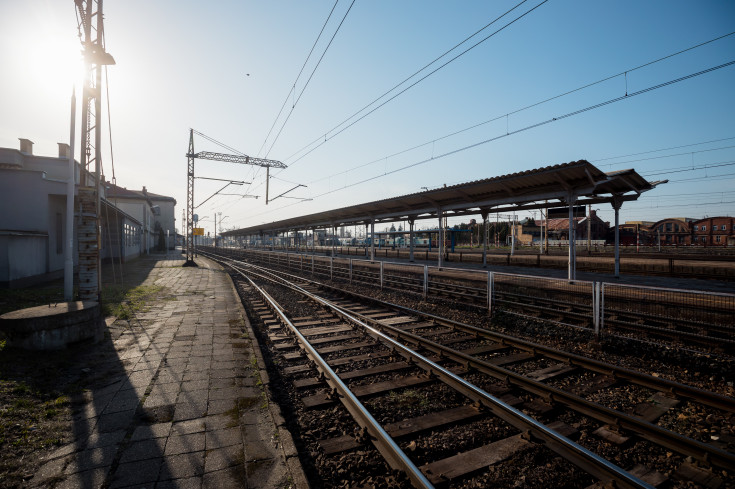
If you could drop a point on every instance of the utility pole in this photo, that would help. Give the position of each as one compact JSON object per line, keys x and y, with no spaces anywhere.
{"x":91,"y":29}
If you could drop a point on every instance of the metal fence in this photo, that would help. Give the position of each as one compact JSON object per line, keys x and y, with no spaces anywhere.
{"x":573,"y":303}
{"x":687,"y":315}
{"x":665,"y":315}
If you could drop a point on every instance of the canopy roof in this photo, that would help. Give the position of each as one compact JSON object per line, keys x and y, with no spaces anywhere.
{"x":577,"y":182}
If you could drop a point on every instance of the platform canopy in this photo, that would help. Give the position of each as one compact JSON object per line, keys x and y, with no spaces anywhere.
{"x":575,"y":183}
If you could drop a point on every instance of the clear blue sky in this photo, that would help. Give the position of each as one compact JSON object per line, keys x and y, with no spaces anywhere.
{"x":185,"y":64}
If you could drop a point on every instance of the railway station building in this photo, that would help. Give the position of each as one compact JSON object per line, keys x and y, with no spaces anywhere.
{"x":33,"y":192}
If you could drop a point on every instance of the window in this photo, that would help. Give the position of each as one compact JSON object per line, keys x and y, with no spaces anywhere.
{"x":696,"y":228}
{"x":724,"y":227}
{"x":704,"y":228}
{"x":717,"y":238}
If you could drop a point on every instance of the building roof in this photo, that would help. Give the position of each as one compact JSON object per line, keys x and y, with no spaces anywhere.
{"x":544,"y":187}
{"x":114,"y":191}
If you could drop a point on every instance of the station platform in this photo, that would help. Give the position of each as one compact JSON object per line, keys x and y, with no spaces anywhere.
{"x":176,"y":395}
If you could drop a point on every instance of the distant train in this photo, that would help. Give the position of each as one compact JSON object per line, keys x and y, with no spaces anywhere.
{"x":397,"y":242}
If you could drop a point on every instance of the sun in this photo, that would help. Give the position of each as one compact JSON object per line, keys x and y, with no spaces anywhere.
{"x":47,"y":51}
{"x":55,"y":61}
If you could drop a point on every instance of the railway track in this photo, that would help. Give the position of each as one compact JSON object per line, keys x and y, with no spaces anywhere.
{"x":705,"y":324}
{"x":446,"y":403}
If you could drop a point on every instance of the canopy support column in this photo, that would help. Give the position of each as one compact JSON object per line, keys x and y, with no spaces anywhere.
{"x":372,"y":240}
{"x":440,"y":240}
{"x":572,"y":265}
{"x":484,"y":238}
{"x":410,"y":238}
{"x":616,"y":203}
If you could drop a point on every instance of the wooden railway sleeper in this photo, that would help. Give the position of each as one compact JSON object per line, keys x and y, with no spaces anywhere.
{"x":700,"y":448}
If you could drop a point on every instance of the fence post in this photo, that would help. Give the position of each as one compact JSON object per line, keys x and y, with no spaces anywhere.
{"x":602,"y":306}
{"x":350,"y":270}
{"x":596,"y":308}
{"x":426,"y":281}
{"x":381,"y":275}
{"x":331,"y":268}
{"x":490,"y":285}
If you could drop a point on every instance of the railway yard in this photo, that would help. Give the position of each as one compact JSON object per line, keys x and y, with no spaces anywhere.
{"x":389,"y":377}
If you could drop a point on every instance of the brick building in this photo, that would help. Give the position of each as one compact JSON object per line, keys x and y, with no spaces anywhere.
{"x":671,"y":231}
{"x":714,"y":231}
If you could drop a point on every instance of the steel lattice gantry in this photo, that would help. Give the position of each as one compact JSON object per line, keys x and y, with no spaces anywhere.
{"x":91,"y":33}
{"x":227,"y":158}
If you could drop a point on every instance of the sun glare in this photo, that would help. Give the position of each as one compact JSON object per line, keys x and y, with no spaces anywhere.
{"x":50,"y":57}
{"x":56,"y":61}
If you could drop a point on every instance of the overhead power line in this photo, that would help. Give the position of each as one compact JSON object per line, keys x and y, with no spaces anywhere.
{"x":505,"y":116}
{"x":309,"y":80}
{"x":686,"y":153}
{"x":532,"y":126}
{"x":659,"y":150}
{"x":622,"y":73}
{"x":293,"y":87}
{"x":322,"y":140}
{"x":689,"y":168}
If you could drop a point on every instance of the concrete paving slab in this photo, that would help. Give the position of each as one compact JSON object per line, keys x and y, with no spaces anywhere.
{"x":167,"y":406}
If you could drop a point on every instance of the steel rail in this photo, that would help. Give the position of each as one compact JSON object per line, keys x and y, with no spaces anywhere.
{"x":687,"y":446}
{"x":393,"y":454}
{"x":645,"y":380}
{"x":592,"y":463}
{"x":707,"y":398}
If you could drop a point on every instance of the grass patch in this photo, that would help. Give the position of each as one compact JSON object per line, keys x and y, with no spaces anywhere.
{"x":14,"y":299}
{"x":408,"y":398}
{"x":125,"y":302}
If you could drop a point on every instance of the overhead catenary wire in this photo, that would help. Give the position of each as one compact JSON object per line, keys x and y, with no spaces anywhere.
{"x":628,"y":96}
{"x":293,"y":87}
{"x":659,"y":150}
{"x":542,"y":123}
{"x":275,"y":139}
{"x":326,"y":139}
{"x":535,"y":104}
{"x":343,"y":129}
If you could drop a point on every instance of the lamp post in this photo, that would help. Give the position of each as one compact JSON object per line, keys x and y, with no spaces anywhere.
{"x":69,"y":251}
{"x":196,"y":220}
{"x":220,"y":225}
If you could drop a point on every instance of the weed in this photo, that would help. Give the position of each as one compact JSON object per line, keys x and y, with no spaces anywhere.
{"x":21,"y":388}
{"x":124,"y":303}
{"x":409,"y":397}
{"x":23,"y":403}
